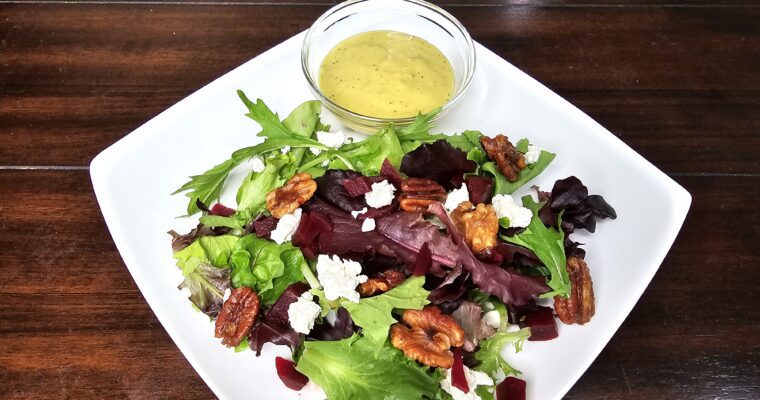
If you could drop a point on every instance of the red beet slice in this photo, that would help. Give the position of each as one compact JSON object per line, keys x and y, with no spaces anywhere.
{"x":480,"y":189}
{"x":389,"y":172}
{"x":458,"y":380}
{"x":358,"y":186}
{"x":278,"y":313}
{"x":542,"y":324}
{"x":423,"y":262}
{"x":311,"y":226}
{"x":289,"y":375}
{"x":511,"y":389}
{"x":263,"y":226}
{"x":221,"y":210}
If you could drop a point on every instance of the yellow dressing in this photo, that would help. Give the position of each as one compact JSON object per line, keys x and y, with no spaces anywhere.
{"x":386,"y":74}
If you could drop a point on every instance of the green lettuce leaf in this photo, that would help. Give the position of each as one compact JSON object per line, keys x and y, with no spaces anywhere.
{"x":204,"y":266}
{"x":503,"y":186}
{"x":352,"y":368}
{"x":367,"y":156}
{"x":214,"y":250}
{"x":265,"y":266}
{"x":548,"y":244}
{"x":373,"y":314}
{"x":489,"y":354}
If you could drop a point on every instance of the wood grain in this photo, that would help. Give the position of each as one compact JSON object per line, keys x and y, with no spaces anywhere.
{"x":677,"y":80}
{"x":75,"y":78}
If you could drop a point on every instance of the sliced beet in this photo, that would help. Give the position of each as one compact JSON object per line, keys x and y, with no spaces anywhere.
{"x":221,"y":210}
{"x":458,"y":380}
{"x":289,"y":375}
{"x":312,"y":224}
{"x":480,"y":189}
{"x":424,"y":261}
{"x":263,"y":226}
{"x":542,"y":324}
{"x":357,"y":186}
{"x":278,"y":313}
{"x":511,"y":388}
{"x":388,"y":171}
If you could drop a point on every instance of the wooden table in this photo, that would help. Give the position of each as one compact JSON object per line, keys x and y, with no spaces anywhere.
{"x":678,"y":82}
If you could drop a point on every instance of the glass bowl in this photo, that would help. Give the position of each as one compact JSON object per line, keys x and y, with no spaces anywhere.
{"x":414,"y":17}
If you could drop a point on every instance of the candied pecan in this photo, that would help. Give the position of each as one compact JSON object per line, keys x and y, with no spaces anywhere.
{"x":418,"y":193}
{"x":578,"y":308}
{"x":427,"y":335}
{"x":383,"y":282}
{"x":509,"y":160}
{"x":286,"y":199}
{"x":237,"y":316}
{"x":479,"y":225}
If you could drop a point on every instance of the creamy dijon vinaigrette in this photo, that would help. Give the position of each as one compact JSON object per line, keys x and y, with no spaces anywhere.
{"x":386,"y":74}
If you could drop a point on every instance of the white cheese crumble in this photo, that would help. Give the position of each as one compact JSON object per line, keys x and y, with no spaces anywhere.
{"x":355,"y":214}
{"x":531,"y":156}
{"x":474,"y":379}
{"x":456,"y":197}
{"x":492,"y":319}
{"x":303,"y":312}
{"x":381,"y":194}
{"x":315,"y":151}
{"x":331,"y":139}
{"x":331,"y":317}
{"x":325,"y":163}
{"x":368,"y":225}
{"x":285,"y":150}
{"x":227,"y":294}
{"x":257,"y":165}
{"x":505,"y":206}
{"x":339,"y":278}
{"x":286,"y":227}
{"x":312,"y":391}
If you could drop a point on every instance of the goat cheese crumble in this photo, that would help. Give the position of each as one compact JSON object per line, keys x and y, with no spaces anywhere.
{"x":331,"y":139}
{"x":492,"y":319}
{"x":381,"y":194}
{"x":456,"y":197}
{"x":286,"y":227}
{"x":505,"y":207}
{"x":339,"y":278}
{"x":257,"y":165}
{"x":355,"y":214}
{"x":285,"y":150}
{"x":474,"y":379}
{"x":531,"y":156}
{"x":303,"y":312}
{"x":368,"y":225}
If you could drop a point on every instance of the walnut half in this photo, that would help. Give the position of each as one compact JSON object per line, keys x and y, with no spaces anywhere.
{"x":291,"y":195}
{"x":237,"y":316}
{"x":578,"y":308}
{"x":505,"y":155}
{"x":479,"y":225}
{"x":427,"y":335}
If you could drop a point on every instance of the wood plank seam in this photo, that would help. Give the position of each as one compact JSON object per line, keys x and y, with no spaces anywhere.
{"x":463,"y":5}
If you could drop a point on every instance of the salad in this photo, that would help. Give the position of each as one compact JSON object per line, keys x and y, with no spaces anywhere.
{"x":394,"y":267}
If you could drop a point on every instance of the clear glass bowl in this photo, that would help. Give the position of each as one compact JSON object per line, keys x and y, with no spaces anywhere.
{"x":414,"y":17}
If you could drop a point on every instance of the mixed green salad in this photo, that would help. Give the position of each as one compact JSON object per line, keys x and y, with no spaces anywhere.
{"x":394,"y":267}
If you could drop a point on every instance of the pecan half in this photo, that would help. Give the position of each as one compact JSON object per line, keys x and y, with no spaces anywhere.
{"x":479,"y":225}
{"x":383,"y":282}
{"x":427,"y":335}
{"x":507,"y":158}
{"x":237,"y":316}
{"x":418,"y":193}
{"x":578,"y":308}
{"x":286,"y":199}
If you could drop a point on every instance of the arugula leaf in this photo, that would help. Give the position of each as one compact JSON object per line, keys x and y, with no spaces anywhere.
{"x":548,"y":244}
{"x":489,"y":354}
{"x":419,"y":129}
{"x":353,"y":368}
{"x":208,"y":186}
{"x":466,"y":141}
{"x":265,"y":266}
{"x":373,"y":314}
{"x":503,"y":186}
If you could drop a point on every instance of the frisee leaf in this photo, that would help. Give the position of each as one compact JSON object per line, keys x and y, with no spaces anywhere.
{"x":548,"y":244}
{"x":489,"y":354}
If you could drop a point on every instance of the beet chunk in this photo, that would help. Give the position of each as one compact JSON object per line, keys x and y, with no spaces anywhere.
{"x":289,"y":375}
{"x":511,"y":389}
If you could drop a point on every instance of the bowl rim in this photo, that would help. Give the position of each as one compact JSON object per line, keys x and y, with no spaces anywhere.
{"x":470,"y":72}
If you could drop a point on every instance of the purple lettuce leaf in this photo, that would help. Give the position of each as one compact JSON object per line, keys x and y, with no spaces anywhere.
{"x":264,"y":332}
{"x":570,"y":197}
{"x":330,"y":189}
{"x":468,"y":315}
{"x":342,"y":328}
{"x":438,"y":161}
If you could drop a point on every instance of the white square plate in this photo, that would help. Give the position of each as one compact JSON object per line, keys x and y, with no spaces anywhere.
{"x":134,"y":177}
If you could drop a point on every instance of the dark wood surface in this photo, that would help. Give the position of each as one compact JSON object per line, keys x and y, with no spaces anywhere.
{"x":679,"y":81}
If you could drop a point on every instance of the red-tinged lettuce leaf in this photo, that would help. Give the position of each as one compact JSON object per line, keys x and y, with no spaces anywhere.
{"x":423,"y":262}
{"x":480,"y":189}
{"x":570,"y":197}
{"x":388,"y":171}
{"x":330,"y":189}
{"x":440,"y":162}
{"x":468,"y":315}
{"x":511,"y":389}
{"x":342,"y":328}
{"x":207,"y":285}
{"x":179,"y":241}
{"x":412,"y":231}
{"x":263,"y":226}
{"x":458,"y":380}
{"x":449,"y":292}
{"x":264,"y":332}
{"x":286,"y":370}
{"x":379,"y":212}
{"x":509,"y":286}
